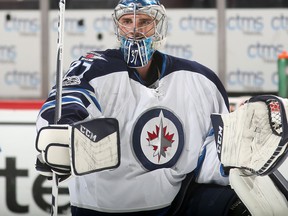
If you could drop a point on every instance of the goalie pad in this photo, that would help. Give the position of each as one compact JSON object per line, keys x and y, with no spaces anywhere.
{"x":87,"y":146}
{"x":254,"y":137}
{"x":259,"y":194}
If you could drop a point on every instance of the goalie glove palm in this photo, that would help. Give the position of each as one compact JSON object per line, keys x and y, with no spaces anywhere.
{"x":252,"y":137}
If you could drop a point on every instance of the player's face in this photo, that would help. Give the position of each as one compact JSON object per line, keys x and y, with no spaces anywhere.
{"x":140,"y":27}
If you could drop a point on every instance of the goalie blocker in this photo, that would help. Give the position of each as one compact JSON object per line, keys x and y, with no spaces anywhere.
{"x":82,"y":148}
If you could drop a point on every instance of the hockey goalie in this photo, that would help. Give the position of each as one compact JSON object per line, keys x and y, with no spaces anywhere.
{"x":252,"y":145}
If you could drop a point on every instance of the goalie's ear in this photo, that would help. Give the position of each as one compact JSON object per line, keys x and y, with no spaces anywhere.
{"x":218,"y":127}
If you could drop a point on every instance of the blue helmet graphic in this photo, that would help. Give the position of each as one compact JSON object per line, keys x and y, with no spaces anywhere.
{"x":143,"y":3}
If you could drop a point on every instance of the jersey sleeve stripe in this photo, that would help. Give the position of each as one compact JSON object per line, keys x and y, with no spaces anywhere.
{"x":90,"y":96}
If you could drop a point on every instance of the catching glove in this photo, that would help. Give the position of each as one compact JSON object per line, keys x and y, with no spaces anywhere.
{"x":254,"y":137}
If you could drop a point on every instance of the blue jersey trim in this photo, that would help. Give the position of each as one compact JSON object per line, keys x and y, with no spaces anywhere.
{"x":200,"y":162}
{"x":86,"y":93}
{"x":222,"y":172}
{"x":71,"y":98}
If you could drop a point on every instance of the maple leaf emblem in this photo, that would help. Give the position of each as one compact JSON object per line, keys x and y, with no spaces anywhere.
{"x":160,"y":140}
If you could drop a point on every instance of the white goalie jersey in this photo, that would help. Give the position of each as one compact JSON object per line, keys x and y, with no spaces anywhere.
{"x":165,"y":128}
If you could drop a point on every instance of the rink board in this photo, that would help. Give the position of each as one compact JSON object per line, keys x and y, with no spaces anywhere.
{"x":22,"y":191}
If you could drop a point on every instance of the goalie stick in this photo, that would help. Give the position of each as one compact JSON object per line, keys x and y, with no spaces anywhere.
{"x":58,"y":106}
{"x":280,"y":181}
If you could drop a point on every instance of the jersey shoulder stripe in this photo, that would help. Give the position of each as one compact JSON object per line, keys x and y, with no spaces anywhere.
{"x":102,"y":63}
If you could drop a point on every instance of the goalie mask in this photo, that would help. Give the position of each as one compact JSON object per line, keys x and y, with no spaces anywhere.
{"x":141,"y":28}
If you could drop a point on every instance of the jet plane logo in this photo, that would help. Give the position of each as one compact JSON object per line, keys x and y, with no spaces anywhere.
{"x":158,"y":139}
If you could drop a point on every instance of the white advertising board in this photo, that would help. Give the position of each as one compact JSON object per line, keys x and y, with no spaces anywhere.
{"x":22,"y":190}
{"x":255,"y":37}
{"x":190,"y":31}
{"x":20,"y":54}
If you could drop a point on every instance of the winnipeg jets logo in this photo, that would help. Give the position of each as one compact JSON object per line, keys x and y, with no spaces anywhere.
{"x":158,"y":139}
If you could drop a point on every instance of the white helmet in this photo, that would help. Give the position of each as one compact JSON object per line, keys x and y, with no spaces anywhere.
{"x":139,"y":48}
